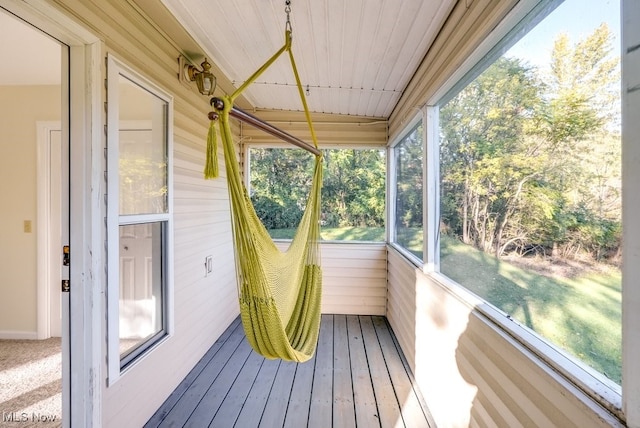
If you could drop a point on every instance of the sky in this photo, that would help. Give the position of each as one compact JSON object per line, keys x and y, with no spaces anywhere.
{"x":576,"y":18}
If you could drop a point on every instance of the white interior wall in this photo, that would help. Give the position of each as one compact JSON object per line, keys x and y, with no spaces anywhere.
{"x":20,"y":108}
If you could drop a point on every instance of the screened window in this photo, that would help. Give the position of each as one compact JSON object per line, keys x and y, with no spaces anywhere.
{"x":353,"y":191}
{"x":530,"y":184}
{"x":408,"y":155}
{"x":139,"y":216}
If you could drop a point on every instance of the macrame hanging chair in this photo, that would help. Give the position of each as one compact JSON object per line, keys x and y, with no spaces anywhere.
{"x":279,"y":292}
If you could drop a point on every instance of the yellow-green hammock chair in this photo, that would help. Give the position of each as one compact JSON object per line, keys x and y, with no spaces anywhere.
{"x":279,"y":292}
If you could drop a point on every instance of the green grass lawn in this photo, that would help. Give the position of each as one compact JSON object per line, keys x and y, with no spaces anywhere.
{"x":581,"y":315}
{"x":337,"y":233}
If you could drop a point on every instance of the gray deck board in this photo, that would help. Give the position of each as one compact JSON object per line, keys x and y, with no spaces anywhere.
{"x":363,"y":396}
{"x":195,"y":390}
{"x":387,"y":403}
{"x":298,"y":407}
{"x":212,"y":399}
{"x":277,"y":403}
{"x":412,"y":412}
{"x":357,"y":377}
{"x":321,"y":411}
{"x":254,"y":406}
{"x":344,"y":413}
{"x":188,"y":381}
{"x":238,"y":393}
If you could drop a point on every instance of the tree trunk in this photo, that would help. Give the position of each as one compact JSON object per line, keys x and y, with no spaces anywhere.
{"x":465,"y":214}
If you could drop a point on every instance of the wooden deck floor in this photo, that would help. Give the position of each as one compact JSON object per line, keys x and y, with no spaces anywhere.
{"x":358,"y":377}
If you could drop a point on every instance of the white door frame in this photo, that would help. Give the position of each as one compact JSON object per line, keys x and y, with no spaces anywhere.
{"x":82,"y":128}
{"x":49,"y":245}
{"x":630,"y":15}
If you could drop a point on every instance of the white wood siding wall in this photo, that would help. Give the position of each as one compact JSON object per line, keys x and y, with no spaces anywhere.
{"x":204,"y":306}
{"x":470,"y":372}
{"x":354,"y":277}
{"x":332,"y":131}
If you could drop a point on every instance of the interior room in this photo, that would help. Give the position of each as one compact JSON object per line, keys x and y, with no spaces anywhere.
{"x":30,"y":272}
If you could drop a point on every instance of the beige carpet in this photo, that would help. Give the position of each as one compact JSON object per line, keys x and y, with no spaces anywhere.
{"x":30,"y":383}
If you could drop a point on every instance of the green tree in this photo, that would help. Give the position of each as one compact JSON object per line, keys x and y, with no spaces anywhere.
{"x":488,"y":155}
{"x":409,"y":160}
{"x":280,"y":183}
{"x":353,"y":191}
{"x":584,"y":111}
{"x":530,"y":161}
{"x":354,"y":188}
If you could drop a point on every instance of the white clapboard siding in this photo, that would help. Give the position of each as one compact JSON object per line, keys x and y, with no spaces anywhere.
{"x":354,"y":277}
{"x":401,"y":307}
{"x":470,"y":372}
{"x":331,"y":130}
{"x":203,"y":305}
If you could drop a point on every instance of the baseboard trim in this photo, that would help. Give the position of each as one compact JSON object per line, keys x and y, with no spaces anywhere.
{"x":13,"y":335}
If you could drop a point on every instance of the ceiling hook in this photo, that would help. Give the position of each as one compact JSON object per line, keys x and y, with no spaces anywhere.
{"x":287,"y":9}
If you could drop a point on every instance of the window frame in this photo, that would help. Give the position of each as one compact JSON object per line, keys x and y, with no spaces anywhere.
{"x":630,"y":35}
{"x":246,"y":170}
{"x":392,"y":189}
{"x":525,"y":15}
{"x":116,"y":365}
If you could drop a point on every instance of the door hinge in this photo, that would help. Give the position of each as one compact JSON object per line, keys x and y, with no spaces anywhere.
{"x":66,"y":287}
{"x":66,"y":256}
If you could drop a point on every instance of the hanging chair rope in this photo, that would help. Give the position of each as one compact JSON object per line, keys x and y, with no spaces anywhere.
{"x":279,"y":292}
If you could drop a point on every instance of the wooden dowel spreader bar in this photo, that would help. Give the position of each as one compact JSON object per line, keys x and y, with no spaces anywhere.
{"x":245,"y":117}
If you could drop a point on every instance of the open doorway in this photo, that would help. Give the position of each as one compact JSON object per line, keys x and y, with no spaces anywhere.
{"x":33,"y":225}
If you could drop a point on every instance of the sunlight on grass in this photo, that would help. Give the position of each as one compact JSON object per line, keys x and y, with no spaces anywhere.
{"x":412,"y":239}
{"x":581,"y":315}
{"x":364,"y":234}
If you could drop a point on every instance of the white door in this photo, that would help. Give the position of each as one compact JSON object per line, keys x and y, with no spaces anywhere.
{"x":57,"y":192}
{"x":49,"y":228}
{"x":136,"y":296}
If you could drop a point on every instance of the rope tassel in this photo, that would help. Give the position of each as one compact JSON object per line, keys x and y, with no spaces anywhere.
{"x":211,"y":162}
